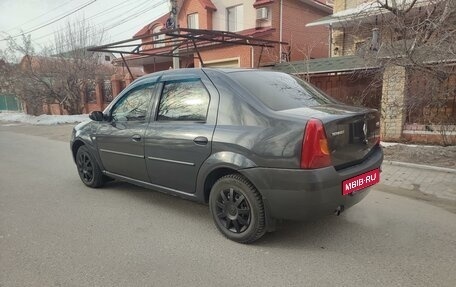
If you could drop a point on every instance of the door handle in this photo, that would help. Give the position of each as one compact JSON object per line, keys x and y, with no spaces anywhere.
{"x":201,"y":140}
{"x":136,"y":138}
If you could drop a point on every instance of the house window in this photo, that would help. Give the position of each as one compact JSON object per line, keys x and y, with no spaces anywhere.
{"x":235,"y":18}
{"x":192,"y":21}
{"x":107,"y":58}
{"x":158,"y":37}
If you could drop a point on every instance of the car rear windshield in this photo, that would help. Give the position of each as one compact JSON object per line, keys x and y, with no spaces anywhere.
{"x":280,"y":91}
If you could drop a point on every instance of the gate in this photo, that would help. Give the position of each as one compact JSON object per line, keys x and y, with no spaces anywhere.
{"x":9,"y":103}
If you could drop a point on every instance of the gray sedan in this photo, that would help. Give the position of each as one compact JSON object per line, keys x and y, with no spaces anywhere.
{"x":256,"y":146}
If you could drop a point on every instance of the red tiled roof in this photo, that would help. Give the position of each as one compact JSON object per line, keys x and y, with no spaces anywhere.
{"x":128,"y":58}
{"x":262,"y":2}
{"x":146,"y":29}
{"x":256,"y":31}
{"x":265,"y":2}
{"x":207,"y":4}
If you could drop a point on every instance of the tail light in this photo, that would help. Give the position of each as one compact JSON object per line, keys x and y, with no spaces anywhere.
{"x":377,"y":139}
{"x":315,"y":150}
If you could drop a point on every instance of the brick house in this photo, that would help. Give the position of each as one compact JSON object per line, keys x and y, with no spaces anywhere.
{"x":275,"y":20}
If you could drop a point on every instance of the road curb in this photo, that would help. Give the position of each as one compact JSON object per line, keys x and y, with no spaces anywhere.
{"x":422,"y":166}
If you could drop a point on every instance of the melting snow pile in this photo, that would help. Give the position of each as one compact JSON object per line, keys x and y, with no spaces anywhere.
{"x":42,"y":119}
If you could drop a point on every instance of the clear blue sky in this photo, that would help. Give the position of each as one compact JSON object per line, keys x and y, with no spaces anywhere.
{"x":121,"y":18}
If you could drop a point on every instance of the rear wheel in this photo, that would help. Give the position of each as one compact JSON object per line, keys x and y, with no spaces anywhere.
{"x":237,"y":209}
{"x":88,"y":169}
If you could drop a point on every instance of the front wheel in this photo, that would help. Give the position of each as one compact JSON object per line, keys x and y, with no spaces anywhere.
{"x":237,"y":209}
{"x":88,"y":169}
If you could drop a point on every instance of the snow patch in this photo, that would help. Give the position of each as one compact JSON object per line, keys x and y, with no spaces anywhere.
{"x":373,"y":7}
{"x":388,"y":144}
{"x":43,"y":119}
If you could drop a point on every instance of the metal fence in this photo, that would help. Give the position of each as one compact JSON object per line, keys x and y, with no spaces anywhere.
{"x":430,"y":100}
{"x":361,"y":89}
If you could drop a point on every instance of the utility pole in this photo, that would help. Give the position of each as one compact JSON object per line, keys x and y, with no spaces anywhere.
{"x":173,"y":16}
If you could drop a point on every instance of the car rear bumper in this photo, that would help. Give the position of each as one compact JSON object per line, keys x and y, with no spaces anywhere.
{"x":299,"y":194}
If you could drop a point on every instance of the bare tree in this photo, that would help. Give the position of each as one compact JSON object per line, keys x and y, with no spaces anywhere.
{"x":18,"y":81}
{"x":419,"y":36}
{"x":62,"y":72}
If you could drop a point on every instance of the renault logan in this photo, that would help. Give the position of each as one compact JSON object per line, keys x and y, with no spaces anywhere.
{"x":254,"y":145}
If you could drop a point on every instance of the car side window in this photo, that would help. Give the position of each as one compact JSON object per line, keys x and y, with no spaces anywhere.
{"x":183,"y":101}
{"x":133,"y":107}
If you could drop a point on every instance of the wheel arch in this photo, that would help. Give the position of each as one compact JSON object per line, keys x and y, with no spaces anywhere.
{"x":216,"y":166}
{"x":75,"y":146}
{"x":80,"y":141}
{"x":212,"y":178}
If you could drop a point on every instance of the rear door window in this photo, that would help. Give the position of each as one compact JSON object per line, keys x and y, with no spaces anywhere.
{"x":280,"y":91}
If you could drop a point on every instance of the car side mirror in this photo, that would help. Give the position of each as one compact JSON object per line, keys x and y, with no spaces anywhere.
{"x":96,"y":116}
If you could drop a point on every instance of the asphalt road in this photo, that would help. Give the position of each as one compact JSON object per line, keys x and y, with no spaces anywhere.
{"x":56,"y":232}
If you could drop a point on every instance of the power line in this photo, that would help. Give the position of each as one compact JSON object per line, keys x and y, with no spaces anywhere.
{"x":104,"y":12}
{"x":106,"y":22}
{"x":124,"y":20}
{"x":37,"y":17}
{"x":52,"y":22}
{"x":128,"y":18}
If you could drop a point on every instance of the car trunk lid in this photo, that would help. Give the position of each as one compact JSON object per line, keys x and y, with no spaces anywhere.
{"x":351,"y":132}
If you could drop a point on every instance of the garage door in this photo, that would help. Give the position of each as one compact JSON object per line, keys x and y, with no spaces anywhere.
{"x":223,"y":64}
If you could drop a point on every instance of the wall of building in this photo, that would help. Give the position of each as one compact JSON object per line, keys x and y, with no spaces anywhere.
{"x":345,"y":41}
{"x":305,"y":42}
{"x":220,"y":16}
{"x":151,"y":68}
{"x":270,"y":55}
{"x":227,"y":54}
{"x":204,"y":16}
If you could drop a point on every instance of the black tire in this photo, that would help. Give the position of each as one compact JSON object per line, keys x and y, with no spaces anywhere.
{"x":237,"y":209}
{"x":88,"y":169}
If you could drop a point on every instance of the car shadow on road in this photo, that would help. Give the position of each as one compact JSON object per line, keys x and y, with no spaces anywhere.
{"x":172,"y":203}
{"x":314,"y":234}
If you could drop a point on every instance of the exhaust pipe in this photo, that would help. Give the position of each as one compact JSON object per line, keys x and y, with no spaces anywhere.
{"x":339,"y":210}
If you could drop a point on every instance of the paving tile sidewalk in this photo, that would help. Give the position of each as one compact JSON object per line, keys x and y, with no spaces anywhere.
{"x":440,"y":184}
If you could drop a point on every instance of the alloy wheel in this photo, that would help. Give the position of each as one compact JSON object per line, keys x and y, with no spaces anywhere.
{"x":85,"y":167}
{"x":233,"y":210}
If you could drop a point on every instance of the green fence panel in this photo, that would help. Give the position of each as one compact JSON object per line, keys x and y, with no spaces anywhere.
{"x":9,"y":103}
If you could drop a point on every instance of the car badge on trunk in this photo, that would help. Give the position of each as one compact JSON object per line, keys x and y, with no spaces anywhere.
{"x":338,"y":133}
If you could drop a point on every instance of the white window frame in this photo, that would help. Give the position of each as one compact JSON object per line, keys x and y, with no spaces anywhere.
{"x":157,"y":29}
{"x":193,"y":18}
{"x":237,"y":24}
